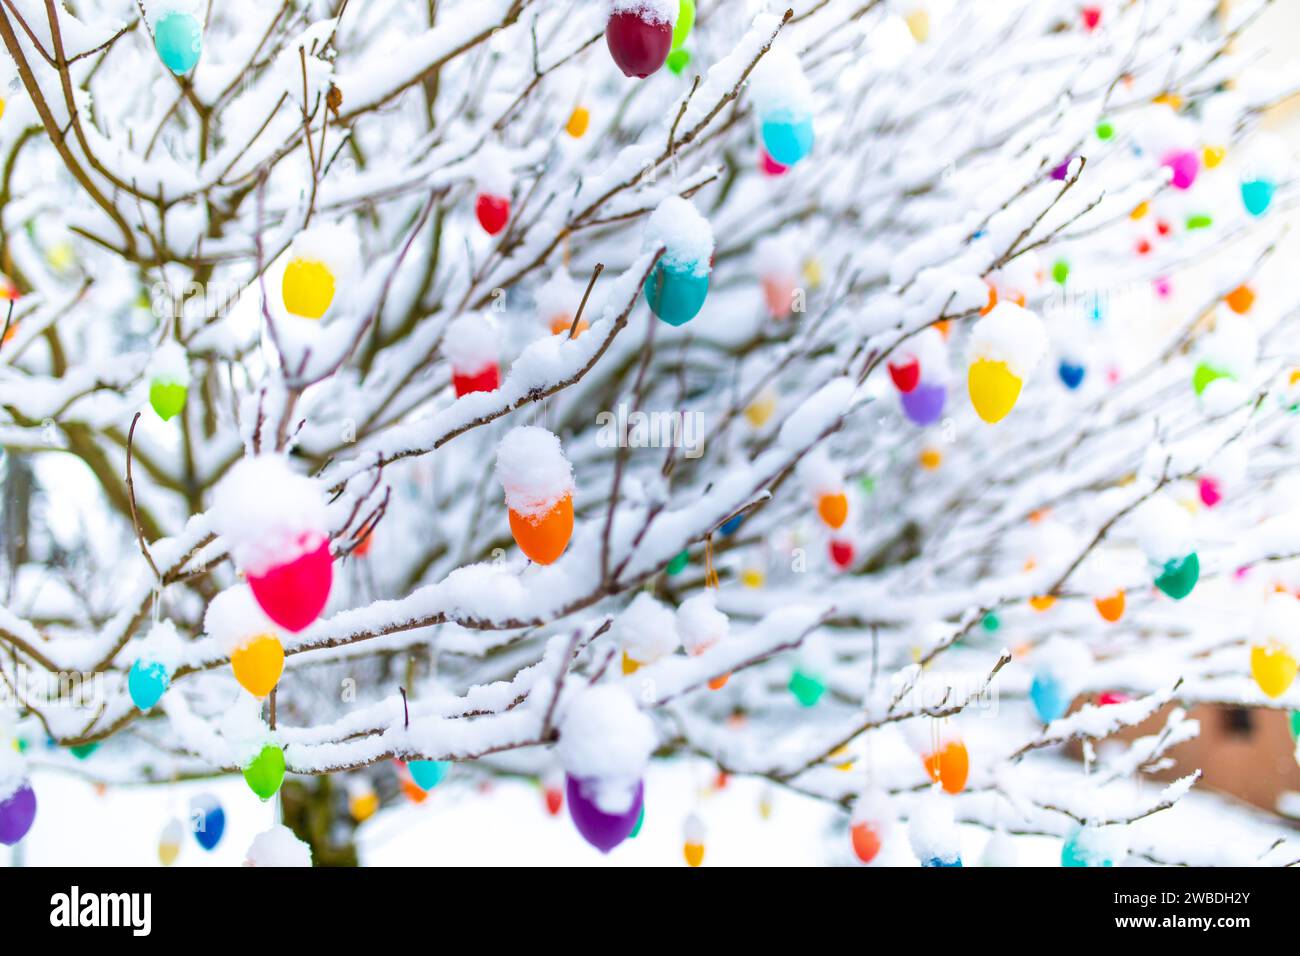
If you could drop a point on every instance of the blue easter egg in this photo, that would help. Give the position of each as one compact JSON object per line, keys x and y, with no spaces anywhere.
{"x":207,"y":820}
{"x":427,"y":774}
{"x":1049,"y":698}
{"x":939,"y":861}
{"x":731,"y":524}
{"x":1257,"y":195}
{"x":787,"y":138}
{"x":178,"y":38}
{"x":1071,"y":374}
{"x":676,"y":291}
{"x":147,"y":682}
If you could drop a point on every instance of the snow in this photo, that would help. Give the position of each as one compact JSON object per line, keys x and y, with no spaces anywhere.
{"x":700,"y":624}
{"x":533,"y":470}
{"x":606,"y":738}
{"x":278,"y":846}
{"x":778,"y":85}
{"x":267,"y":513}
{"x":819,"y":474}
{"x":234,"y":618}
{"x":169,"y":364}
{"x":1010,"y":334}
{"x":931,"y":831}
{"x":684,"y":234}
{"x":558,"y":296}
{"x":646,"y":629}
{"x":492,"y":171}
{"x":1278,"y":623}
{"x":1164,"y":530}
{"x":471,"y":343}
{"x":652,"y":11}
{"x":334,"y":245}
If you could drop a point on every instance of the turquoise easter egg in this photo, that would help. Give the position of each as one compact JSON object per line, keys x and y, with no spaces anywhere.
{"x":178,"y":38}
{"x":787,"y":138}
{"x":427,"y":774}
{"x":1047,"y":693}
{"x":676,"y":292}
{"x":147,"y":682}
{"x":1257,"y":195}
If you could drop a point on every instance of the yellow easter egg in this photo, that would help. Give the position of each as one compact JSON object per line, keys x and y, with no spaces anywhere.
{"x":1140,"y":210}
{"x":1212,"y":156}
{"x":308,"y":288}
{"x":630,"y":666}
{"x":752,"y":578}
{"x":931,"y":459}
{"x":258,"y":665}
{"x":168,"y":852}
{"x":993,"y":389}
{"x":918,"y":22}
{"x":812,"y":273}
{"x":578,"y":122}
{"x":1273,"y":667}
{"x":694,"y":853}
{"x":363,"y":806}
{"x":760,"y":410}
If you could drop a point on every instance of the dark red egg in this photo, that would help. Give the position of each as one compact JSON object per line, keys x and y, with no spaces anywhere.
{"x":487,"y":379}
{"x":638,"y":46}
{"x":841,"y":552}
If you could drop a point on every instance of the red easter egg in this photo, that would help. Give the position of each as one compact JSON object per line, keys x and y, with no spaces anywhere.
{"x":906,"y":374}
{"x":294,"y":594}
{"x":841,"y":552}
{"x":1091,"y":17}
{"x":493,"y":212}
{"x":638,"y":46}
{"x":487,"y":379}
{"x":554,"y":800}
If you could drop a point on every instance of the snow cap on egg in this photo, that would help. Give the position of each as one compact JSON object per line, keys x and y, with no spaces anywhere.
{"x":169,"y":364}
{"x":558,"y":295}
{"x":607,"y":739}
{"x":932,"y":831}
{"x":1012,"y":334}
{"x":1279,"y":622}
{"x":647,"y":629}
{"x":278,"y":846}
{"x":472,"y":342}
{"x":686,"y":235}
{"x":533,"y":470}
{"x":778,"y":84}
{"x":1164,"y":530}
{"x":267,"y":513}
{"x":234,"y":618}
{"x":651,"y":11}
{"x":491,"y":166}
{"x":700,"y":624}
{"x":334,"y":245}
{"x":819,"y":473}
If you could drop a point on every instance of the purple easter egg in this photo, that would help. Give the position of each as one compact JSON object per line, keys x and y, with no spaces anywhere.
{"x":602,"y":830}
{"x":17,"y":812}
{"x":1060,"y":172}
{"x":924,"y":404}
{"x":1185,"y":165}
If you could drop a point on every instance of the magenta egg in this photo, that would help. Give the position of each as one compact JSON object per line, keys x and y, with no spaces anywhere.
{"x":293,"y":594}
{"x":602,"y":830}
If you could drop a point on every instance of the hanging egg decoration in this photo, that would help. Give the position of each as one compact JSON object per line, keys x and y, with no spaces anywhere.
{"x":678,"y":284}
{"x":943,"y":753}
{"x":147,"y":681}
{"x":1165,"y":535}
{"x":578,"y":122}
{"x":768,"y":166}
{"x":760,"y":411}
{"x":1266,"y":165}
{"x":923,"y":403}
{"x":169,"y":380}
{"x":322,"y":261}
{"x":776,"y":263}
{"x":207,"y":820}
{"x":679,"y":57}
{"x":1184,"y":165}
{"x":932,"y":832}
{"x":904,"y":371}
{"x":1257,"y":195}
{"x":169,"y":842}
{"x":363,"y":801}
{"x":553,"y":794}
{"x":693,"y":834}
{"x":273,"y":520}
{"x":1110,"y":606}
{"x":1088,"y":847}
{"x":869,"y":825}
{"x":678,"y":564}
{"x":605,"y":746}
{"x":492,"y":177}
{"x":731,"y":525}
{"x":241,"y":629}
{"x":701,"y":626}
{"x":824,"y":482}
{"x":178,"y":38}
{"x":1005,"y":347}
{"x":646,"y":631}
{"x":266,"y":771}
{"x":782,"y":99}
{"x":1071,"y":373}
{"x":427,"y":774}
{"x":808,"y":679}
{"x":1240,"y":299}
{"x":842,"y":553}
{"x":471,"y":344}
{"x":918,"y":23}
{"x":1058,"y":666}
{"x":538,"y":483}
{"x":556,"y":301}
{"x":1272,"y":651}
{"x":17,"y":812}
{"x":639,"y":34}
